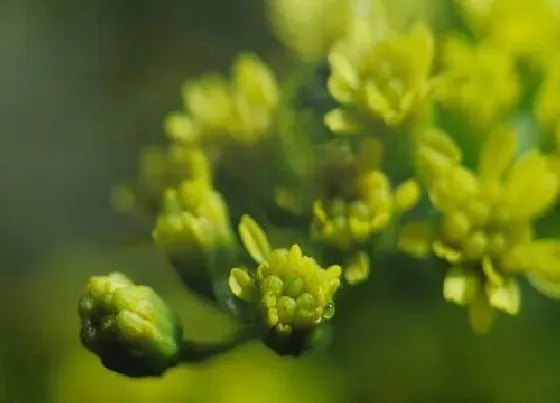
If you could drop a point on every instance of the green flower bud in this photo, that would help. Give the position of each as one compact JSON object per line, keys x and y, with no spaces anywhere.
{"x":129,"y":327}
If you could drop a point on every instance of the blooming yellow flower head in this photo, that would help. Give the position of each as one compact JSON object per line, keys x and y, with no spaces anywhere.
{"x":347,"y":219}
{"x":478,"y":83}
{"x":485,"y":217}
{"x":241,"y":109}
{"x":294,"y":295}
{"x":385,"y":79}
{"x":527,"y":29}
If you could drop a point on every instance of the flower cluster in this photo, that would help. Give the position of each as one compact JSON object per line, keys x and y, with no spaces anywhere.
{"x":479,"y":82}
{"x":293,"y":294}
{"x":241,"y":109}
{"x":486,"y":221}
{"x":362,"y":204}
{"x":440,"y":144}
{"x":526,"y":29}
{"x":383,"y":78}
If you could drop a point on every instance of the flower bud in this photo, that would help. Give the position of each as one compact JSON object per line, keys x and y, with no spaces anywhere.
{"x":129,"y":327}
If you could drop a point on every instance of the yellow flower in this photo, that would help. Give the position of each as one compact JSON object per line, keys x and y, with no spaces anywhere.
{"x":294,"y":295}
{"x":478,"y":83}
{"x":241,"y":109}
{"x":160,"y":168}
{"x":309,"y":28}
{"x":360,"y":202}
{"x":365,"y":205}
{"x":193,"y":216}
{"x":526,"y":29}
{"x":486,"y":224}
{"x":385,"y":79}
{"x":193,"y":229}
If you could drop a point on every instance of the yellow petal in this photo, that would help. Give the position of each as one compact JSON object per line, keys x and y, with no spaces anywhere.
{"x":460,"y":286}
{"x":209,"y":100}
{"x":442,"y":143}
{"x":422,"y":41}
{"x":540,"y":261}
{"x":436,"y":153}
{"x":531,"y":187}
{"x":416,"y":238}
{"x":254,"y":239}
{"x":481,"y":314}
{"x":497,"y":153}
{"x":343,"y":80}
{"x":378,"y":104}
{"x":255,"y":80}
{"x":339,"y":121}
{"x":446,"y":253}
{"x":357,"y":268}
{"x":546,"y":106}
{"x":242,"y":285}
{"x":406,"y":195}
{"x":506,"y":297}
{"x":181,"y":128}
{"x":547,"y":287}
{"x":492,"y":276}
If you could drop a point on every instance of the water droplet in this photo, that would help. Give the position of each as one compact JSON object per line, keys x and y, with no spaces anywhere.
{"x":328,"y":311}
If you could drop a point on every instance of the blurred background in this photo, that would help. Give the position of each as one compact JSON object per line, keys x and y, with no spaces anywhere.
{"x":84,"y":86}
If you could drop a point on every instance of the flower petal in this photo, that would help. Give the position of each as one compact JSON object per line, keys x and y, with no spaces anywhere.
{"x":254,"y":239}
{"x":357,"y":268}
{"x":416,"y":238}
{"x":547,"y":287}
{"x":497,"y":153}
{"x":531,"y":187}
{"x":506,"y":297}
{"x":340,"y":121}
{"x":242,"y":285}
{"x":460,"y":286}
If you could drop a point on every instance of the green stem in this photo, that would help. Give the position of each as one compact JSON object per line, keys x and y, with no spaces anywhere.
{"x":197,"y":352}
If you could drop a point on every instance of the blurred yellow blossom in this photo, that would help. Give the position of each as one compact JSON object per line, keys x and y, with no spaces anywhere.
{"x":478,"y":82}
{"x":361,"y":202}
{"x":381,"y":77}
{"x":309,"y":28}
{"x":194,"y":216}
{"x":241,"y":109}
{"x":348,"y":219}
{"x":526,"y":29}
{"x":486,"y":224}
{"x":293,"y":293}
{"x":160,"y":168}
